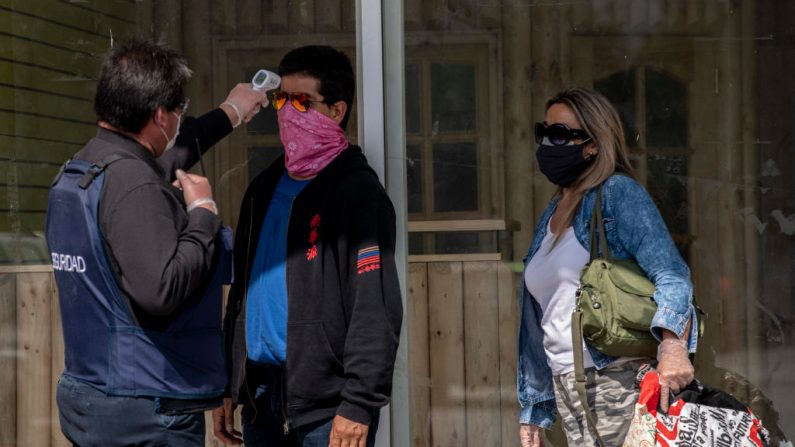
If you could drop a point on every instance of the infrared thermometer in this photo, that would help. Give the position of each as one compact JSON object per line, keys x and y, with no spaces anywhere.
{"x":265,"y":81}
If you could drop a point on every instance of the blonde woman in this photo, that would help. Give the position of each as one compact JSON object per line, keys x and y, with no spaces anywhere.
{"x":581,"y":148}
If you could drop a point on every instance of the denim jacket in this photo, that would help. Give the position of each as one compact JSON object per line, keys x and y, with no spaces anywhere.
{"x":634,"y":229}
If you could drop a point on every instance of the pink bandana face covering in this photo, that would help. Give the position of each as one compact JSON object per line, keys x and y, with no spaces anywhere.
{"x":311,"y":140}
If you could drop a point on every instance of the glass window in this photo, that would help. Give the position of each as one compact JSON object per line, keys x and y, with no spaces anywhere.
{"x":456,"y":180}
{"x":705,"y":95}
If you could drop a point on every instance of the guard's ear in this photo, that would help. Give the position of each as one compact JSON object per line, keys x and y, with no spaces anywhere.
{"x":160,"y":117}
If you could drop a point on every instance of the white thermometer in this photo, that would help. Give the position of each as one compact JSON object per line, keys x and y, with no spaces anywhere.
{"x":265,"y":81}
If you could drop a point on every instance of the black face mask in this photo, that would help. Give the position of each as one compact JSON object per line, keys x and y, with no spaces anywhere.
{"x":562,"y":164}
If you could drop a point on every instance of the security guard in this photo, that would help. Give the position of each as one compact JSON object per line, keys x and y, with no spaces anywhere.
{"x":139,"y":261}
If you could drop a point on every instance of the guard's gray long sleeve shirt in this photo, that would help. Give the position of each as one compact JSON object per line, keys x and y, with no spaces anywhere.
{"x":160,"y":253}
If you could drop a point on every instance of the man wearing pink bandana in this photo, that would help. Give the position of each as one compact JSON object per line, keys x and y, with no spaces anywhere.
{"x":313,"y":319}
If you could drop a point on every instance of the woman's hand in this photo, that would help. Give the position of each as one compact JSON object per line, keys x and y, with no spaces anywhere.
{"x":673,"y":367}
{"x":530,"y":435}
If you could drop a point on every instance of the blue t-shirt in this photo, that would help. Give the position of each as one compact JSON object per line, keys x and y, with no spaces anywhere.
{"x":266,"y":305}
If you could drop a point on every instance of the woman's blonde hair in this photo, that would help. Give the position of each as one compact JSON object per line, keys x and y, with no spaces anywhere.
{"x":601,"y":122}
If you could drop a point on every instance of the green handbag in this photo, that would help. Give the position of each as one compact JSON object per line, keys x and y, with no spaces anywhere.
{"x":614,"y":309}
{"x":614,"y":304}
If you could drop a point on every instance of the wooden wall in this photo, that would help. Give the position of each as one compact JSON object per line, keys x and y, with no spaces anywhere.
{"x":463,"y":326}
{"x":49,"y":58}
{"x":31,"y":346}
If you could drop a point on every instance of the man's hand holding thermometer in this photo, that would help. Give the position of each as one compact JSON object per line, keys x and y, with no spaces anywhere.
{"x":245,"y":100}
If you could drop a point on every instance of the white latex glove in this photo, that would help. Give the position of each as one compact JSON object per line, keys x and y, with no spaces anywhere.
{"x":242,"y":103}
{"x":530,"y":435}
{"x":673,"y":367}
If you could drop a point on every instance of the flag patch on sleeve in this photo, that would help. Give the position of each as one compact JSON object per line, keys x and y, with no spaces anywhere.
{"x":369,"y":259}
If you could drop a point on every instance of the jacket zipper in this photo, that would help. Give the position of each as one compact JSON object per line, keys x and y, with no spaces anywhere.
{"x":245,"y":300}
{"x":283,"y":378}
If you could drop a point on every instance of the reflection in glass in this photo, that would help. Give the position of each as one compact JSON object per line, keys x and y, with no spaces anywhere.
{"x":413,"y":103}
{"x":453,"y":97}
{"x":666,"y":115}
{"x":414,"y":177}
{"x":456,"y":178}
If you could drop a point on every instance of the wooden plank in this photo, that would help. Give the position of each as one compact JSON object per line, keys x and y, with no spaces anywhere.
{"x":29,"y":198}
{"x":70,"y":15}
{"x":620,"y":16}
{"x":328,"y":16}
{"x":58,"y":438}
{"x":39,"y":174}
{"x":57,"y":33}
{"x":675,"y":16}
{"x":602,"y":18}
{"x":276,"y":16}
{"x":70,"y":64}
{"x":446,"y":326}
{"x":456,"y":257}
{"x":302,"y":16}
{"x":412,"y":15}
{"x":518,"y":94}
{"x":349,"y":26}
{"x":419,"y":358}
{"x":461,"y":15}
{"x":638,"y":15}
{"x":457,"y":225}
{"x":145,"y":16}
{"x":48,"y":80}
{"x":482,"y":352}
{"x":435,"y":14}
{"x":656,"y":15}
{"x":21,"y":221}
{"x":168,"y":23}
{"x":27,"y":101}
{"x":32,"y":151}
{"x":581,"y":16}
{"x":35,"y":356}
{"x":508,"y":315}
{"x":45,"y":127}
{"x":119,"y":11}
{"x":8,"y":359}
{"x":198,"y":53}
{"x":694,"y":15}
{"x":224,"y":19}
{"x":489,"y":15}
{"x":250,"y":22}
{"x":37,"y":268}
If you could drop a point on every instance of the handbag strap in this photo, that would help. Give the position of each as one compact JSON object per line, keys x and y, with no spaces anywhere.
{"x":598,"y":221}
{"x":579,"y":370}
{"x":580,"y":378}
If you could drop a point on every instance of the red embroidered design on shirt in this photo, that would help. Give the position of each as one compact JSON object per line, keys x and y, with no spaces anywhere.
{"x":311,"y":253}
{"x":314,"y":224}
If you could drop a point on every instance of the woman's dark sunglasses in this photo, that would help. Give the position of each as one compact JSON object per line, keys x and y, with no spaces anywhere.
{"x":558,"y":134}
{"x":300,"y":101}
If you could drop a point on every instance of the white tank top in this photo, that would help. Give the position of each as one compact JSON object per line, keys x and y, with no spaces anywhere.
{"x":552,"y":277}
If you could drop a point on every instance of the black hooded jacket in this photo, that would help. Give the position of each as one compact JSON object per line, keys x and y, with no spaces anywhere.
{"x":344,"y":313}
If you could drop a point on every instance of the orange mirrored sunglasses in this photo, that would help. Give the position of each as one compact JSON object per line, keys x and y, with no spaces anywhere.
{"x":301,"y":101}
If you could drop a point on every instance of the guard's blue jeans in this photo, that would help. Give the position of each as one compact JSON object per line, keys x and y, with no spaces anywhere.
{"x":91,"y":418}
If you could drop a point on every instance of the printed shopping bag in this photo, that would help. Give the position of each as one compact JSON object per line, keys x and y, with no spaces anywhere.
{"x":690,"y":422}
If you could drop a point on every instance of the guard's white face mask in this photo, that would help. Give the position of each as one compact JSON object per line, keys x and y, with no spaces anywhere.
{"x":172,"y":140}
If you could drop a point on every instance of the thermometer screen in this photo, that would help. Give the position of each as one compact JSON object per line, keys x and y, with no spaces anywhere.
{"x":261,"y":77}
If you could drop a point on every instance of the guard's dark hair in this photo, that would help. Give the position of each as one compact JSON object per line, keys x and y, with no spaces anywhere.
{"x":137,"y":77}
{"x":328,"y":65}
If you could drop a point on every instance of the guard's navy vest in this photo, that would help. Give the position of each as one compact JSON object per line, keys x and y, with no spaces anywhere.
{"x":104,"y":345}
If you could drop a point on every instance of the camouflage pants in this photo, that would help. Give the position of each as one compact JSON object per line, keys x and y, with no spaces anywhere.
{"x":611,"y":393}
